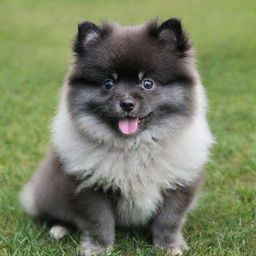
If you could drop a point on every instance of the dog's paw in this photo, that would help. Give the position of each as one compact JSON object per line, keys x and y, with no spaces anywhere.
{"x":57,"y":232}
{"x":90,"y":247}
{"x":176,"y":250}
{"x":176,"y":247}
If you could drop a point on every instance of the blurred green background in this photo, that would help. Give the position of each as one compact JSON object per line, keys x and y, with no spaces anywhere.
{"x":35,"y":40}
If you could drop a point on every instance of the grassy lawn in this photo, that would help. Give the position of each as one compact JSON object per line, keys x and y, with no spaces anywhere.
{"x":35,"y":39}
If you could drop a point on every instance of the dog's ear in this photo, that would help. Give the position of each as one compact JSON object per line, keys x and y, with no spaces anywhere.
{"x":172,"y":33}
{"x":88,"y":33}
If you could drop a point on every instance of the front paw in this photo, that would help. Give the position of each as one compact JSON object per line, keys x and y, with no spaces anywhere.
{"x":90,"y":247}
{"x":176,"y":247}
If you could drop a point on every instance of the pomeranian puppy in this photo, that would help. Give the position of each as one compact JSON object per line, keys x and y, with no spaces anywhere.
{"x":129,"y":140}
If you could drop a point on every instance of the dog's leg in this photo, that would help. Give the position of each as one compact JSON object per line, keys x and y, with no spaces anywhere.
{"x":95,"y":218}
{"x":167,"y":225}
{"x":48,"y":194}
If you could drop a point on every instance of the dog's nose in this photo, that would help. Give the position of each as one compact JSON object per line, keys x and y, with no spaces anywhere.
{"x":127,"y":104}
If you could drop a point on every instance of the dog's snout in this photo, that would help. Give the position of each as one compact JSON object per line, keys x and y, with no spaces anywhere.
{"x":127,"y":104}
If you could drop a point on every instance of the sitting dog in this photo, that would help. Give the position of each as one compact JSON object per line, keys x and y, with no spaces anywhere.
{"x":130,"y":138}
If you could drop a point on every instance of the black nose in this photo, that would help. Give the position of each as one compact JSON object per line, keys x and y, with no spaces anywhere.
{"x":127,"y":104}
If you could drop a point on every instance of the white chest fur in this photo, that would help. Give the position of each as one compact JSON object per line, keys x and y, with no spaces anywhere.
{"x":140,"y":172}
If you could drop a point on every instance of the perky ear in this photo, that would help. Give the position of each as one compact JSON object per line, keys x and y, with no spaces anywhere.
{"x":171,"y":31}
{"x":87,"y":32}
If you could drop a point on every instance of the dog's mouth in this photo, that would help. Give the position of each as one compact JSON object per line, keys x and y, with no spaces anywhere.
{"x":130,"y":125}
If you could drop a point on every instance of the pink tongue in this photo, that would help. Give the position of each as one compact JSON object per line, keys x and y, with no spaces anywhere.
{"x":128,"y":126}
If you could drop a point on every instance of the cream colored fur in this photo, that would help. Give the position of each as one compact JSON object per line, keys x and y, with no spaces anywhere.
{"x":141,"y":166}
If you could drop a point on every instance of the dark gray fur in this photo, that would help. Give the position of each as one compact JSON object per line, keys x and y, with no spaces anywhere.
{"x":167,"y":224}
{"x":161,"y":51}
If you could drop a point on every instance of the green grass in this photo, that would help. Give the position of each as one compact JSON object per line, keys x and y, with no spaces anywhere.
{"x":35,"y":39}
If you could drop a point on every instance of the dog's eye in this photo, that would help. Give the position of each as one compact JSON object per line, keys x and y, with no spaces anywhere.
{"x":148,"y":84}
{"x":108,"y":84}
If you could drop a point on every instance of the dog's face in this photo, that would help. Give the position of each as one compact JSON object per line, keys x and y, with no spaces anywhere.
{"x":130,"y":79}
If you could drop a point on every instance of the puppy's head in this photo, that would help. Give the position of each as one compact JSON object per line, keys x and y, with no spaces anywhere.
{"x":126,"y":81}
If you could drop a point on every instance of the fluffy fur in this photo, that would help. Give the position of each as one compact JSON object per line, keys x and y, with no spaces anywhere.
{"x":94,"y":175}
